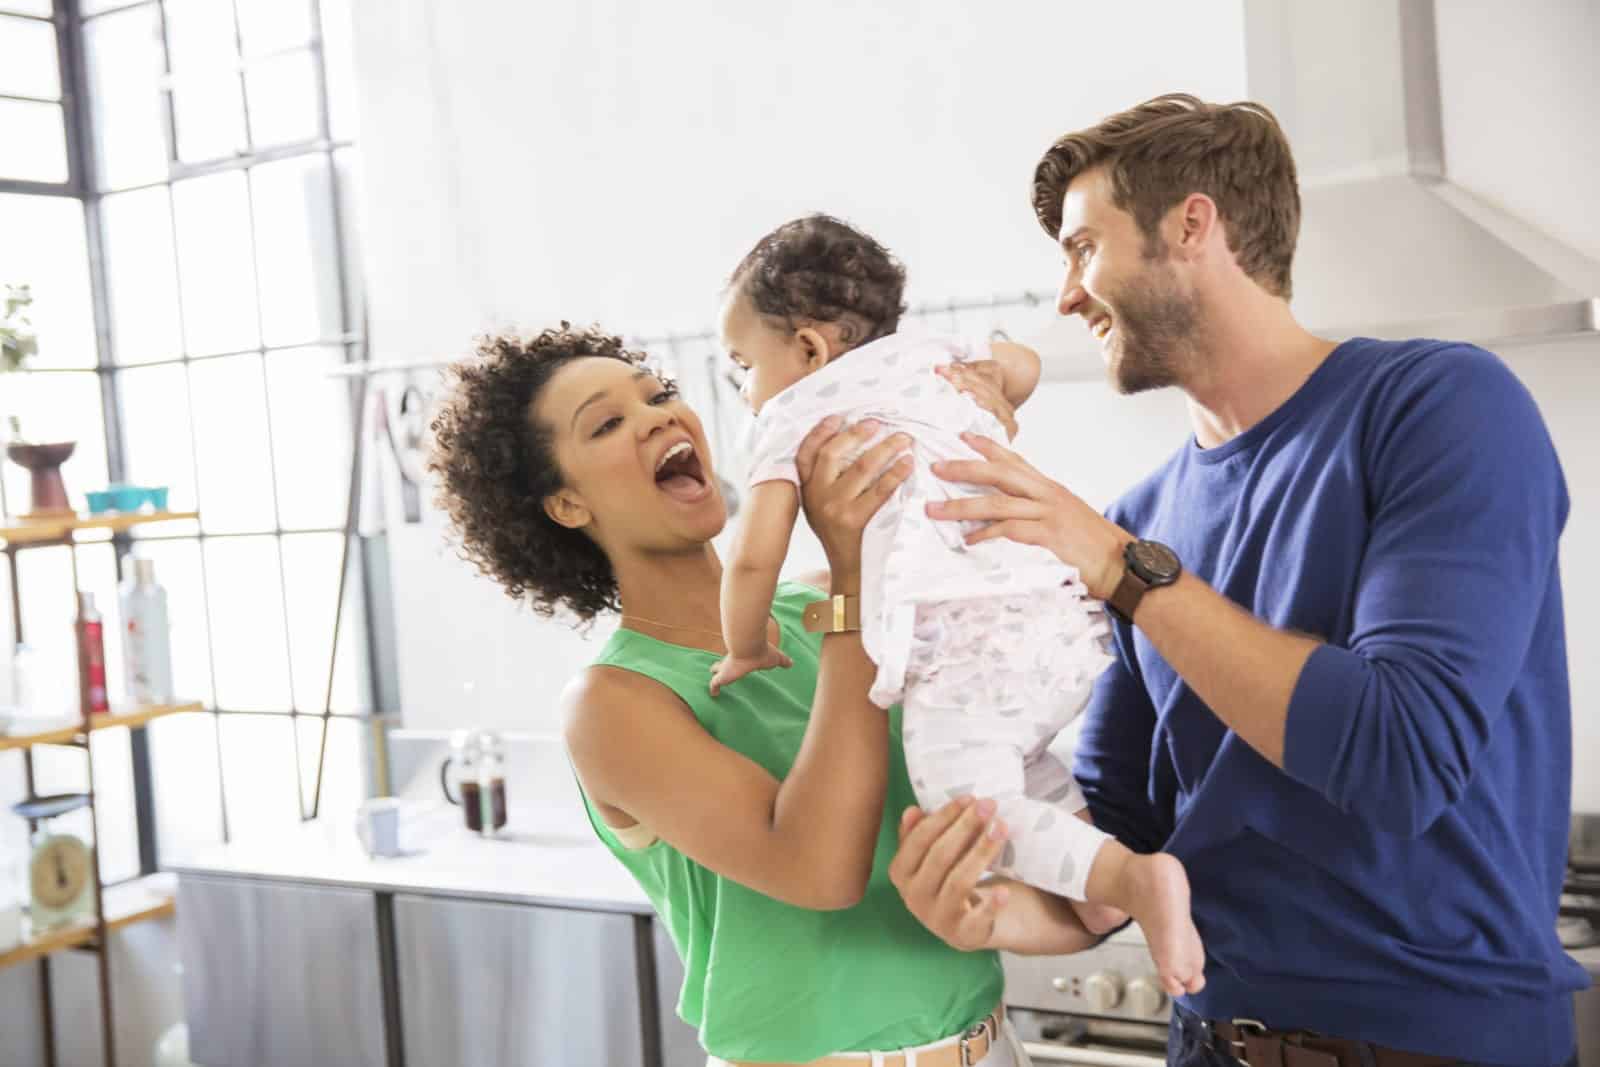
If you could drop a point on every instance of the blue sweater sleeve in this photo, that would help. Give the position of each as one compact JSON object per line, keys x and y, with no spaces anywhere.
{"x":1111,"y":759}
{"x":1466,"y":503}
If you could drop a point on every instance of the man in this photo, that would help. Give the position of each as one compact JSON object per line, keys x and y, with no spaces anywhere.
{"x":1341,"y":690}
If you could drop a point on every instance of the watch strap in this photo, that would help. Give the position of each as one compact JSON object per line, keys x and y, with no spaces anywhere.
{"x":838,"y":614}
{"x":1124,"y":600}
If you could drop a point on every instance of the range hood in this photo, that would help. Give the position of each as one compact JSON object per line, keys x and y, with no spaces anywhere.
{"x":1389,"y":247}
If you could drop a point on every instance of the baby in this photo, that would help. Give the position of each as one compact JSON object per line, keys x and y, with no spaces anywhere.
{"x":990,"y":648}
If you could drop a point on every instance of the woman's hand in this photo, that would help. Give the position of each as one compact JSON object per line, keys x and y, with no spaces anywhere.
{"x":1030,"y":508}
{"x":840,"y":496}
{"x":984,"y":381}
{"x":942,"y":856}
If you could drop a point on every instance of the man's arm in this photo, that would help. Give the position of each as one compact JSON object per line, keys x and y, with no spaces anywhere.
{"x":1467,"y":505}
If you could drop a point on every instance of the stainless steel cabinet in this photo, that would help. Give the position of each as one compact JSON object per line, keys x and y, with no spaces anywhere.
{"x":500,"y":985}
{"x":680,"y":1045}
{"x":280,"y":975}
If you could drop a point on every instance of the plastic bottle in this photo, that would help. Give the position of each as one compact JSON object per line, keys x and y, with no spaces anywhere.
{"x":90,"y":629}
{"x":146,"y":637}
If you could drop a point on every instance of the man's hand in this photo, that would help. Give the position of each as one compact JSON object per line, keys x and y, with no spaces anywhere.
{"x":937,"y":868}
{"x":1029,"y":508}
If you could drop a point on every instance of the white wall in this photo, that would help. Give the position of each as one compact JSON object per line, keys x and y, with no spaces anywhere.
{"x":613,"y":160}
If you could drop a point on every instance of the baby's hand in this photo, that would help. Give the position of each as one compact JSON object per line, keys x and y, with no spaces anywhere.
{"x":730,"y":669}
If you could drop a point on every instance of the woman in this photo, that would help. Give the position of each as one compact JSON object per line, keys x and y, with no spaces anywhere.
{"x":755,"y":822}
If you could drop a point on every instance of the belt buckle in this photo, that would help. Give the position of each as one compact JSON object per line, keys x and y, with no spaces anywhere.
{"x":1254,"y":1027}
{"x":976,"y":1030}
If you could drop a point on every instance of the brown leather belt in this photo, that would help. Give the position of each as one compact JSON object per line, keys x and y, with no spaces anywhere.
{"x":1253,"y":1045}
{"x":965,"y":1050}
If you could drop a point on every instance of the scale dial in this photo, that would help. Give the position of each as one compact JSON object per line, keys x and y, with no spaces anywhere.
{"x":59,"y":876}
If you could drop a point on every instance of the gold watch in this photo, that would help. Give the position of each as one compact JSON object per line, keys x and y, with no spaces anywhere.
{"x":836,"y":615}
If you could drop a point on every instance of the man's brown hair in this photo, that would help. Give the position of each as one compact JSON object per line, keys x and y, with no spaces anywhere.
{"x":1159,"y":152}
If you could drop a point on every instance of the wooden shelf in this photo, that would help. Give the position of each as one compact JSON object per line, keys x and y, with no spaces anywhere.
{"x":59,"y":529}
{"x":73,"y":733}
{"x":131,"y":902}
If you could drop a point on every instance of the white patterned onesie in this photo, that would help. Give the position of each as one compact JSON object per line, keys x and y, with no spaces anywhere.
{"x":991,"y":649}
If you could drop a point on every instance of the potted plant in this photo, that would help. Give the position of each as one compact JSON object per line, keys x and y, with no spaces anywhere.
{"x":43,"y":460}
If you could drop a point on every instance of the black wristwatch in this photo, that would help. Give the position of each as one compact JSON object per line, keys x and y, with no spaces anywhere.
{"x":1147,"y":565}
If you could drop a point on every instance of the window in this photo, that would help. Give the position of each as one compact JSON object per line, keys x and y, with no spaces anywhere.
{"x":184,"y":225}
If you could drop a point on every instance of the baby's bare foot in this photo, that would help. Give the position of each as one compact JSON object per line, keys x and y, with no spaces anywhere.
{"x":1156,"y":892}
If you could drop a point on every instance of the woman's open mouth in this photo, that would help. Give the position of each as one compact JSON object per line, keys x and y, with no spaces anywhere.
{"x":680,"y":474}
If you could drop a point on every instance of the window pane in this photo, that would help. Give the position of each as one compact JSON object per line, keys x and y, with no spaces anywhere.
{"x":44,"y":585}
{"x":115,"y":816}
{"x":42,"y":244}
{"x":208,"y":116}
{"x":247,"y":630}
{"x":28,"y":59}
{"x":141,"y":275}
{"x":183,"y":758}
{"x":282,"y":96}
{"x":311,"y":576}
{"x":59,"y":407}
{"x":345,"y":163}
{"x":231,"y":444}
{"x":155,"y":429}
{"x":310,"y":436}
{"x":201,"y":36}
{"x":344,"y":779}
{"x":339,"y":69}
{"x":125,"y":67}
{"x":297,"y":250}
{"x":178,"y":571}
{"x":214,"y":264}
{"x":258,"y":775}
{"x":34,"y":147}
{"x":273,"y":25}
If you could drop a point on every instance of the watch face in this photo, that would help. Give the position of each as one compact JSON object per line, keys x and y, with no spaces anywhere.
{"x":1153,"y":561}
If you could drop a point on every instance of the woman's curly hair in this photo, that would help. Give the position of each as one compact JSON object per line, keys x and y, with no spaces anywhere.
{"x":496,"y":465}
{"x":819,"y":269}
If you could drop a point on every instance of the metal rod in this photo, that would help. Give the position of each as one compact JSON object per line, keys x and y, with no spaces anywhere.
{"x":47,"y":1017}
{"x":352,"y":524}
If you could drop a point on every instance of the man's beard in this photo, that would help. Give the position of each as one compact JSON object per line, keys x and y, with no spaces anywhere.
{"x":1155,"y":326}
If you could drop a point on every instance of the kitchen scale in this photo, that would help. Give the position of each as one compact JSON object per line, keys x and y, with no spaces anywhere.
{"x":61,"y":866}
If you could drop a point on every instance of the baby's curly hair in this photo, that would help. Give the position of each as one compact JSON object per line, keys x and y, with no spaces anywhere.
{"x":496,"y":465}
{"x":820,"y":269}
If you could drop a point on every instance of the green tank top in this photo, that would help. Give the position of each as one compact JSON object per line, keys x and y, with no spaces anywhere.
{"x":765,"y":980}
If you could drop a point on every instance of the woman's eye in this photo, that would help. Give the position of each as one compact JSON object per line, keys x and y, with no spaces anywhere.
{"x":666,"y":394}
{"x":606,"y":427}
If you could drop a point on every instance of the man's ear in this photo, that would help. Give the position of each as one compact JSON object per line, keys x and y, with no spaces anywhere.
{"x":566,"y":508}
{"x":1196,"y":220}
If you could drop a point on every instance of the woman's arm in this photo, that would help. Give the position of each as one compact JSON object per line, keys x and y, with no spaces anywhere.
{"x":942,"y":857}
{"x":760,"y":544}
{"x":807,"y":840}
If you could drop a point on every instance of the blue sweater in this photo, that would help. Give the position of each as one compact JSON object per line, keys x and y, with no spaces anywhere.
{"x":1397,"y":881}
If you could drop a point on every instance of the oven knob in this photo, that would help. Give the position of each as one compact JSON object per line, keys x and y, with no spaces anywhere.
{"x":1103,"y":990}
{"x":1061,"y":985}
{"x":1145,"y":997}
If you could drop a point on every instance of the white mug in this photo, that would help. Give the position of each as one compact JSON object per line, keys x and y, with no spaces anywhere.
{"x":378,"y":826}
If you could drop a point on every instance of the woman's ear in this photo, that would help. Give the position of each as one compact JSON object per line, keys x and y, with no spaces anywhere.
{"x":566,"y":508}
{"x":814,"y":346}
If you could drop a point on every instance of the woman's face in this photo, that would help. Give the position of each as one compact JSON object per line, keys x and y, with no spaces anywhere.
{"x":635,"y":464}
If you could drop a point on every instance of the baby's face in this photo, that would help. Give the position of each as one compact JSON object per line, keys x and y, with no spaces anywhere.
{"x":772,"y":359}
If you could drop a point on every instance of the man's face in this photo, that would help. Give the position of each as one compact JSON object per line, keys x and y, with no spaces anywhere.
{"x":1124,"y":287}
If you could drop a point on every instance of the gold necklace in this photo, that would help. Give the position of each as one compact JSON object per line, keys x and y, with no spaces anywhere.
{"x":670,"y":626}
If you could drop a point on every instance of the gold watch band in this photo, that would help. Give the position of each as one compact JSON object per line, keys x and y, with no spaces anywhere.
{"x":836,"y":615}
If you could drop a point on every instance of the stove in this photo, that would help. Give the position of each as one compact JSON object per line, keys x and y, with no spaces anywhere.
{"x":1100,"y":1008}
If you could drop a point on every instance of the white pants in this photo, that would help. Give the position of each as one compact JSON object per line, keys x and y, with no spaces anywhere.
{"x":991,"y":682}
{"x":1005,"y":1052}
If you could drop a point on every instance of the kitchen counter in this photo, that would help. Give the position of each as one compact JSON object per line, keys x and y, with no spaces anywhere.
{"x":547,"y":859}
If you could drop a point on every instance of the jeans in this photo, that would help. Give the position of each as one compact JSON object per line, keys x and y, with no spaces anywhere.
{"x":1188,"y":1045}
